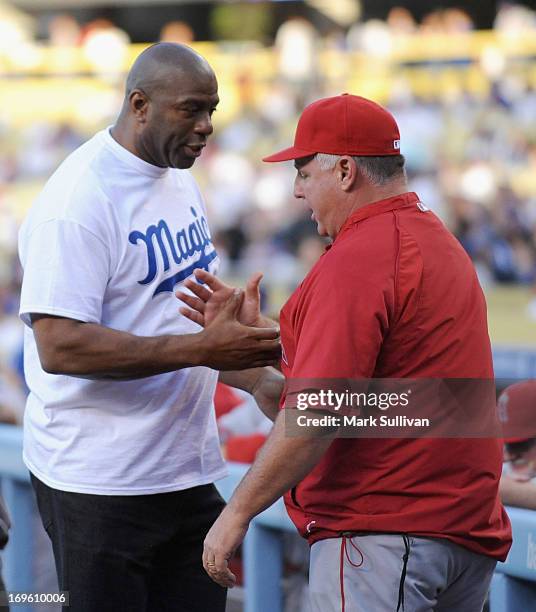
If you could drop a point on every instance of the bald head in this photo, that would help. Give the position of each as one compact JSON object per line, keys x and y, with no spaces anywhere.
{"x":161,"y":65}
{"x":166,"y":117}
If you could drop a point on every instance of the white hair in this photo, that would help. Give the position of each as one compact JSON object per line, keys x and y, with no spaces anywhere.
{"x":378,"y":170}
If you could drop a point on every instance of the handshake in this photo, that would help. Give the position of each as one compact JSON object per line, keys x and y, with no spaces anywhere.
{"x":235,"y":335}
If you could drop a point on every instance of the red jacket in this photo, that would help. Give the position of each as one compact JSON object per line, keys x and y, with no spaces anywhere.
{"x":396,"y":296}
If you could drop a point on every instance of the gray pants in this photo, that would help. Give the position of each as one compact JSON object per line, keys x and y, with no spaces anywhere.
{"x":440,"y":576}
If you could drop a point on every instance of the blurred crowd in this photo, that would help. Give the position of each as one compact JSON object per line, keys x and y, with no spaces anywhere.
{"x":470,"y":155}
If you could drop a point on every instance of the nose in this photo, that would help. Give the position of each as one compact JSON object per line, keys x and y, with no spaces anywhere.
{"x":298,"y":190}
{"x":204,"y":125}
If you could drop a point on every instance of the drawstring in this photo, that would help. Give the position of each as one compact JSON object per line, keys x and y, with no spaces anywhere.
{"x":341,"y":571}
{"x":403,"y":575}
{"x":345,"y":553}
{"x":348,"y":556}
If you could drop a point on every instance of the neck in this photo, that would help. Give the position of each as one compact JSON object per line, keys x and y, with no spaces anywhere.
{"x":368,"y":194}
{"x":122,"y":134}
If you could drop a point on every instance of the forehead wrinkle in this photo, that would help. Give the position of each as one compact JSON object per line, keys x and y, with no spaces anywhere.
{"x":202,"y":98}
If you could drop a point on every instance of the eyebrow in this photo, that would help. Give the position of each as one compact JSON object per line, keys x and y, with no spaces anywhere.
{"x":198,"y":100}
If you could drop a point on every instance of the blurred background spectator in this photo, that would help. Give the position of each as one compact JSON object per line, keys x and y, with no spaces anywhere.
{"x":516,"y":410}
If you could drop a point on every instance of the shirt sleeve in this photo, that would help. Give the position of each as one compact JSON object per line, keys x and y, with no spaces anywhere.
{"x":342,"y":321}
{"x":66,"y":270}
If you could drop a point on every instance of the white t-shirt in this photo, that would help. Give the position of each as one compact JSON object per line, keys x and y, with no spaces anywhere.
{"x":108,"y":241}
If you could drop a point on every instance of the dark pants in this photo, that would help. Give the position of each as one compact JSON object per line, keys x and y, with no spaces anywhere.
{"x":139,"y":553}
{"x":3,"y":597}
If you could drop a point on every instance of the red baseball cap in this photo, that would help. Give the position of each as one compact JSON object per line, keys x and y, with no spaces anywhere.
{"x":517,"y":411}
{"x":343,"y":125}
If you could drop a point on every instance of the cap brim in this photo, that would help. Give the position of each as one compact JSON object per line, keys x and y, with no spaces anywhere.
{"x":515,"y":440}
{"x":288,"y":154}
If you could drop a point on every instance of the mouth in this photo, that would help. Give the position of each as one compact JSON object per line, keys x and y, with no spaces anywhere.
{"x":194,"y":150}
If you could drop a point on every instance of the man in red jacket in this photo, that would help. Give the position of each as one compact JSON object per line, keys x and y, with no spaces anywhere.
{"x":394,"y":523}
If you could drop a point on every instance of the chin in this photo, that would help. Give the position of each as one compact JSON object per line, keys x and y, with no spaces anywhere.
{"x":184,"y":164}
{"x":321,"y":230}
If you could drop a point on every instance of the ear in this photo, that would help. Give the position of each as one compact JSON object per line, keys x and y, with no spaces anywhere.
{"x":346,"y":172}
{"x":138,"y":104}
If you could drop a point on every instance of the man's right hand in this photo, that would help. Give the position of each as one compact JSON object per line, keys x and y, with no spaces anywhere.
{"x":228,"y":344}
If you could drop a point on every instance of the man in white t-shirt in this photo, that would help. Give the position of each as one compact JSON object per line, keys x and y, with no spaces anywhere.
{"x":119,"y":433}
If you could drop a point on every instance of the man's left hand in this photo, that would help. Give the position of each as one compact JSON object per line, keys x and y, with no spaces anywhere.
{"x":209,"y":297}
{"x":224,"y":537}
